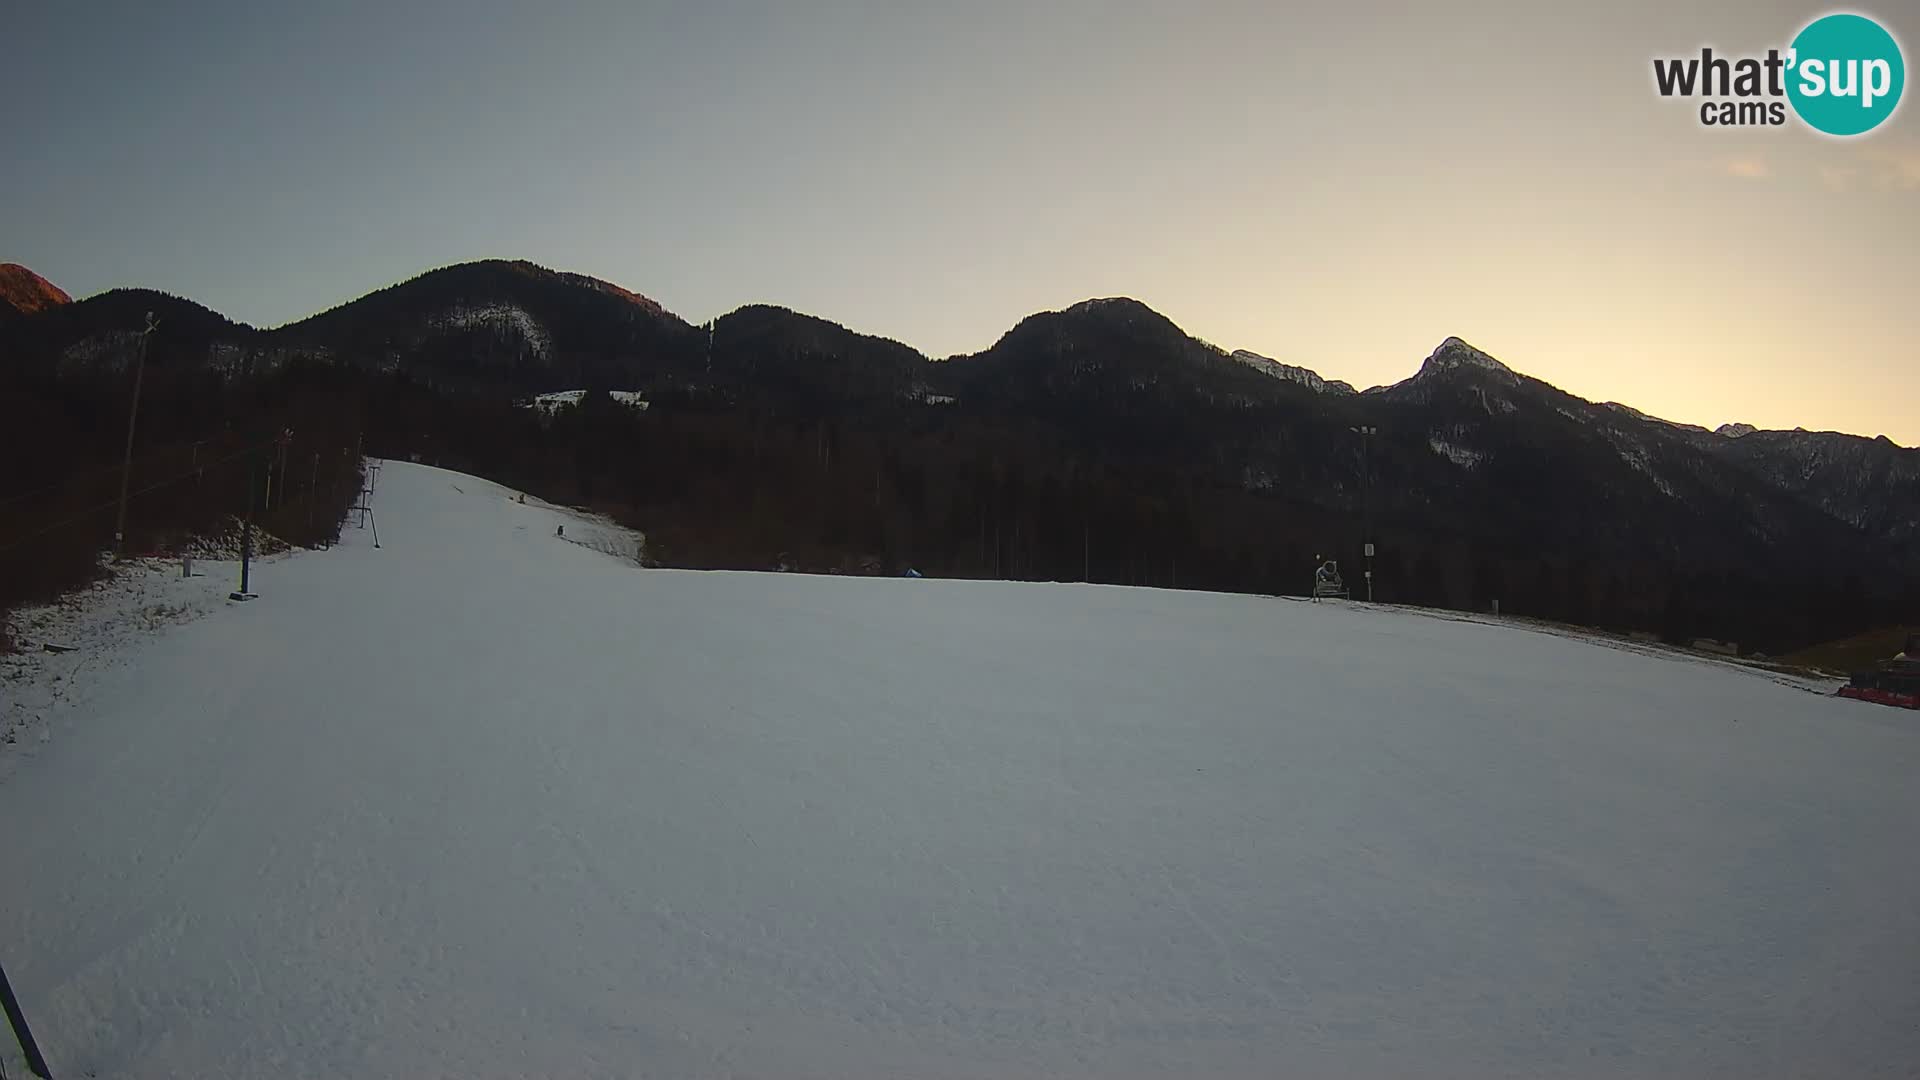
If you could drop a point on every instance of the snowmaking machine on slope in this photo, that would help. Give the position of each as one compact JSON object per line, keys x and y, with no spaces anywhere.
{"x":1327,"y":582}
{"x":1892,"y":682}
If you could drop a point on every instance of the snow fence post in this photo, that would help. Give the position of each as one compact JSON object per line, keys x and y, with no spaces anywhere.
{"x":18,"y":1019}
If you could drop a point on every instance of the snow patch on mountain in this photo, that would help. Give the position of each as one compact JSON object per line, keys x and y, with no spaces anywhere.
{"x":1455,"y":354}
{"x":1452,"y":355}
{"x":1099,"y":303}
{"x":504,"y":319}
{"x":1462,"y":456}
{"x":1494,"y":403}
{"x":1650,"y":418}
{"x":1639,"y":459}
{"x":1873,"y":484}
{"x":116,"y":350}
{"x":109,"y":350}
{"x":567,"y":399}
{"x":1304,"y":376}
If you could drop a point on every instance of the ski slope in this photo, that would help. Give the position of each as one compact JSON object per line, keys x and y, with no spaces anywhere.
{"x":486,"y":803}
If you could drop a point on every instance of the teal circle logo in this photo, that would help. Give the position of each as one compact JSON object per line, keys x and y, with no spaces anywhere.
{"x":1845,"y":74}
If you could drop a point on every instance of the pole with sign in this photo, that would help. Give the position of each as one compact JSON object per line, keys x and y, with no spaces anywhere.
{"x":1366,"y":433}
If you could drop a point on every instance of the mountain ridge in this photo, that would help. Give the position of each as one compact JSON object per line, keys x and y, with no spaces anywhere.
{"x":1452,"y":354}
{"x":799,"y":442}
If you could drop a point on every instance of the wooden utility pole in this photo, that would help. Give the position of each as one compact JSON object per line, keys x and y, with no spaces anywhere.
{"x":126,"y":462}
{"x":286,"y":439}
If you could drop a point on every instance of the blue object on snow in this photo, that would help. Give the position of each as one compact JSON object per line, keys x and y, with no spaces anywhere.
{"x":911,"y":572}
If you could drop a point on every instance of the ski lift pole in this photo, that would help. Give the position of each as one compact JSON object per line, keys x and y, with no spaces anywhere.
{"x":126,"y":465}
{"x":246,"y":530}
{"x":35,"y":1062}
{"x":246,"y":555}
{"x":246,"y":539}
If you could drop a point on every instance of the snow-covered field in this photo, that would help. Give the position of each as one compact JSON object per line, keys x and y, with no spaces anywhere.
{"x":483,"y":802}
{"x":64,"y":646}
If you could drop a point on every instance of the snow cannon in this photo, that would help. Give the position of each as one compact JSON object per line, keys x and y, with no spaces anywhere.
{"x":1893,"y":682}
{"x":1327,"y":582}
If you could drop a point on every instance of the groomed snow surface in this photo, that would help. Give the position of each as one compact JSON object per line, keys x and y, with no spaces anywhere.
{"x":487,"y":803}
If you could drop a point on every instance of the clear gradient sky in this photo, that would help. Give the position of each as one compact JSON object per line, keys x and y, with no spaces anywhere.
{"x":1339,"y":185}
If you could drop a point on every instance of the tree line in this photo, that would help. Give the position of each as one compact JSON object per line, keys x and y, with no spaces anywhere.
{"x":208,"y":451}
{"x":950,"y":492}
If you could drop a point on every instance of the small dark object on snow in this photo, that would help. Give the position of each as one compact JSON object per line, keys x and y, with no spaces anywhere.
{"x":560,"y":530}
{"x":52,"y":648}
